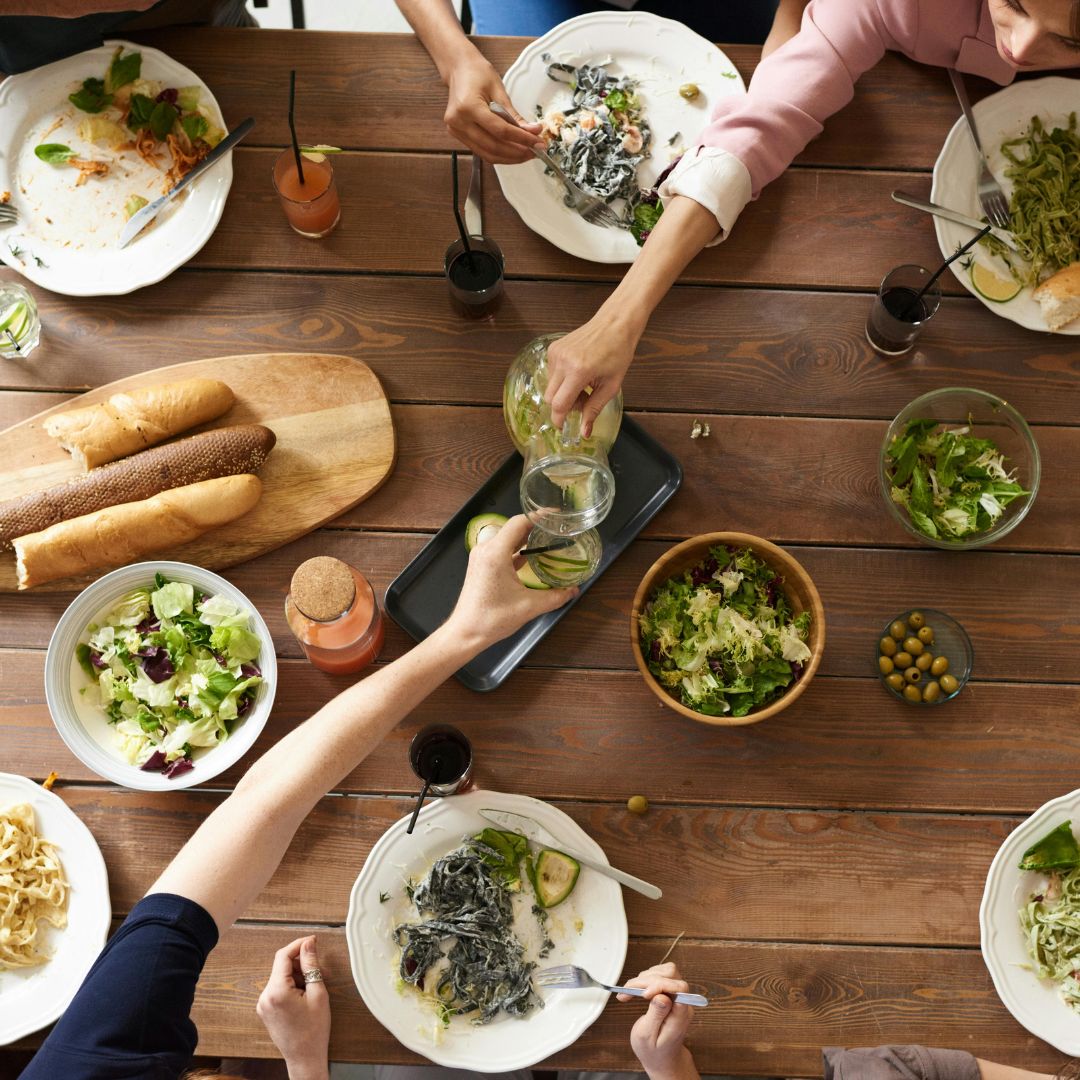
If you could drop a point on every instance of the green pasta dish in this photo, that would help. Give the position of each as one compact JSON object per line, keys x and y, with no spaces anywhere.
{"x":1051,"y":917}
{"x":1044,"y":210}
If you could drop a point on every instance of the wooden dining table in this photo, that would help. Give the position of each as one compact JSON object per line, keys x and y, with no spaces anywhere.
{"x":822,"y":870}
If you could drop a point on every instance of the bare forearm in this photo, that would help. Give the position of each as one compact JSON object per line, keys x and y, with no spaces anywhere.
{"x":232,"y":855}
{"x":988,"y":1070}
{"x":440,"y":32}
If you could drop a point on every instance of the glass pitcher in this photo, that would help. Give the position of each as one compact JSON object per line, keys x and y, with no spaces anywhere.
{"x":566,"y":486}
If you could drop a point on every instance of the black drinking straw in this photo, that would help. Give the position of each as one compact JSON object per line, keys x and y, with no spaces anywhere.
{"x":423,"y":796}
{"x":292,"y":126}
{"x":941,"y":269}
{"x":457,"y":213}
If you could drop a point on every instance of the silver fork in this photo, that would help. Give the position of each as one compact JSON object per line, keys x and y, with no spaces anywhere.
{"x":591,"y":207}
{"x":992,"y":199}
{"x":569,"y":977}
{"x":8,"y":214}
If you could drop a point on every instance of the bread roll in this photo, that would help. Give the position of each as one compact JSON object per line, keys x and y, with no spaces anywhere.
{"x":127,"y":532}
{"x":1059,"y":297}
{"x":221,"y":452}
{"x":135,"y":419}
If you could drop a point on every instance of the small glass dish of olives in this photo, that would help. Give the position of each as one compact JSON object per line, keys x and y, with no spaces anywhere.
{"x":924,"y":657}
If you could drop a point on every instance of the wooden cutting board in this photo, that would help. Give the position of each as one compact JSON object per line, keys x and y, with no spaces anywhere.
{"x":335,"y":446}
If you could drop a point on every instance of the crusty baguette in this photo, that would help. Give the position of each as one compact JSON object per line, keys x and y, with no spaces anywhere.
{"x":135,"y":419}
{"x":121,"y":534}
{"x":1059,"y":296}
{"x":221,"y":452}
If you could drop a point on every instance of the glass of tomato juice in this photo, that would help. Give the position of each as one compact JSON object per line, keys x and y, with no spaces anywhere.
{"x":312,"y":207}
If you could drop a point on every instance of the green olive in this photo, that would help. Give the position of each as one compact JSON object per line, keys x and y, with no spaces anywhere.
{"x":931,"y":692}
{"x":689,"y":91}
{"x":637,"y":804}
{"x":912,"y":675}
{"x":916,"y":620}
{"x":912,"y":693}
{"x":926,"y":635}
{"x":923,"y":662}
{"x":939,"y":666}
{"x":949,"y":684}
{"x":885,"y":665}
{"x":895,"y":681}
{"x":888,"y":646}
{"x":913,"y":645}
{"x":898,"y":630}
{"x":903,"y":660}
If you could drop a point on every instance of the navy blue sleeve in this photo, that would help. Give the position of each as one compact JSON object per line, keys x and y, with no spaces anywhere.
{"x":132,"y":1015}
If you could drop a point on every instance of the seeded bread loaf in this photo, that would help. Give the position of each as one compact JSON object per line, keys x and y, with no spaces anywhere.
{"x":221,"y":452}
{"x":132,"y":420}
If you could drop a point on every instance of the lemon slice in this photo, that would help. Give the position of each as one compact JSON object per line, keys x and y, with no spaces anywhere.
{"x":991,"y":287}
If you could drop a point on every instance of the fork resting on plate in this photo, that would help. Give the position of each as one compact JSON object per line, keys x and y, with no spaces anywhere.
{"x":569,"y":977}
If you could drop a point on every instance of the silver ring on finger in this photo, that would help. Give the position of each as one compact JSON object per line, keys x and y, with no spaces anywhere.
{"x":313,"y":975}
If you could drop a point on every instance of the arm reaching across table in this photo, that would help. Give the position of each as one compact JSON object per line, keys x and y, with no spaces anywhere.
{"x":148,"y":971}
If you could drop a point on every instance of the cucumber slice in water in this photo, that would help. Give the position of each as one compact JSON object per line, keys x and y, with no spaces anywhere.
{"x":15,"y":318}
{"x":554,"y":875}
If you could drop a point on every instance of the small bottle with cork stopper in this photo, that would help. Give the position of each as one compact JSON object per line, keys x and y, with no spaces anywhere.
{"x":332,"y":611}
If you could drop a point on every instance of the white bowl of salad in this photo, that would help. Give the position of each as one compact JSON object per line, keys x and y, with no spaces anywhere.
{"x":160,"y":675}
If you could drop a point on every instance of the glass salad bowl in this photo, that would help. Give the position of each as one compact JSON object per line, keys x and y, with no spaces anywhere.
{"x":959,"y":468}
{"x":948,"y":639}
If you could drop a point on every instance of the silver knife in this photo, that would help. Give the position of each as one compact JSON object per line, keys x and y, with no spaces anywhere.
{"x":143,"y":217}
{"x":474,"y":222}
{"x":952,"y":215}
{"x":536,"y":832}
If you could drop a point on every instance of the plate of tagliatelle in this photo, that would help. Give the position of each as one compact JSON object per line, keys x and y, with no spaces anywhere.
{"x":621,"y":94}
{"x":1030,"y":923}
{"x":447,"y":927}
{"x":85,"y":143}
{"x":54,"y":906}
{"x":1032,"y":141}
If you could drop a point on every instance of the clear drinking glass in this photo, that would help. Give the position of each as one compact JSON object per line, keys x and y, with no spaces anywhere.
{"x":442,"y":756}
{"x":897,"y":317}
{"x":565,"y":566}
{"x":20,"y":326}
{"x":312,"y":207}
{"x":475,"y":277}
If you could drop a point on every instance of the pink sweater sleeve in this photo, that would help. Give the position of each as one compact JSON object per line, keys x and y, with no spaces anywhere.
{"x":805,"y":81}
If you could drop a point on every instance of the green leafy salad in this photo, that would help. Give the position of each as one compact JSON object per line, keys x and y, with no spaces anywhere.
{"x":951,"y":483}
{"x":1050,"y":920}
{"x":173,"y":669}
{"x":722,"y":637}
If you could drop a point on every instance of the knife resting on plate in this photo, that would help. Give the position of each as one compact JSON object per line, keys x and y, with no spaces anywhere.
{"x":536,"y":832}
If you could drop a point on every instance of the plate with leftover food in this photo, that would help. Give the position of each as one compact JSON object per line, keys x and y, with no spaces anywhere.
{"x":1032,"y":141}
{"x":1030,"y":923}
{"x":54,"y":905}
{"x":447,"y":926}
{"x":621,"y":95}
{"x":90,"y":140}
{"x":160,"y":676}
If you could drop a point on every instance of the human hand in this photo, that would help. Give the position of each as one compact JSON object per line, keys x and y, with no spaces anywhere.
{"x":297,"y":1014}
{"x":493,"y":602}
{"x":658,"y":1038}
{"x":474,"y":84}
{"x":595,"y":355}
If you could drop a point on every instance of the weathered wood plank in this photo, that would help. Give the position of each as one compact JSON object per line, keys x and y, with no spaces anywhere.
{"x":738,"y":351}
{"x":381,"y":92}
{"x":842,"y":744}
{"x":775,"y":1005}
{"x":727,"y":855}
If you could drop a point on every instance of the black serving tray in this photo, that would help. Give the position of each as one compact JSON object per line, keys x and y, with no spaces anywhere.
{"x":421,"y":597}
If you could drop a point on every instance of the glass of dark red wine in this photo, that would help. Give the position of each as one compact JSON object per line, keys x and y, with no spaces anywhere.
{"x":475,"y":276}
{"x":441,"y":756}
{"x":899,"y":312}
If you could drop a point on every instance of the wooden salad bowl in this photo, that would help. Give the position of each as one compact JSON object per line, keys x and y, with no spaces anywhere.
{"x":801,"y":594}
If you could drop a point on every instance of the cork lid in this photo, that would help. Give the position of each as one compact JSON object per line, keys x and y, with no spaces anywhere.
{"x":323,"y":588}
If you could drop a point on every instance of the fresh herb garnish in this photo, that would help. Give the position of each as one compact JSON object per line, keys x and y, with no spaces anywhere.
{"x":162,"y":119}
{"x":54,"y":153}
{"x":383,"y":897}
{"x":92,"y":97}
{"x":140,"y":110}
{"x":951,"y":483}
{"x":646,"y":215}
{"x":194,"y":125}
{"x":123,"y":70}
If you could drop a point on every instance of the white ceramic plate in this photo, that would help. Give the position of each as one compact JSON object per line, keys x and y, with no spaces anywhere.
{"x":1004,"y":115}
{"x":506,"y":1043}
{"x":662,"y":55}
{"x":83,"y":724}
{"x":66,"y":234}
{"x":35,"y":997}
{"x":1034,"y":1002}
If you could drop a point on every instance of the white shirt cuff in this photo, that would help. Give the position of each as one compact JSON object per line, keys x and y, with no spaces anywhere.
{"x":716,"y":179}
